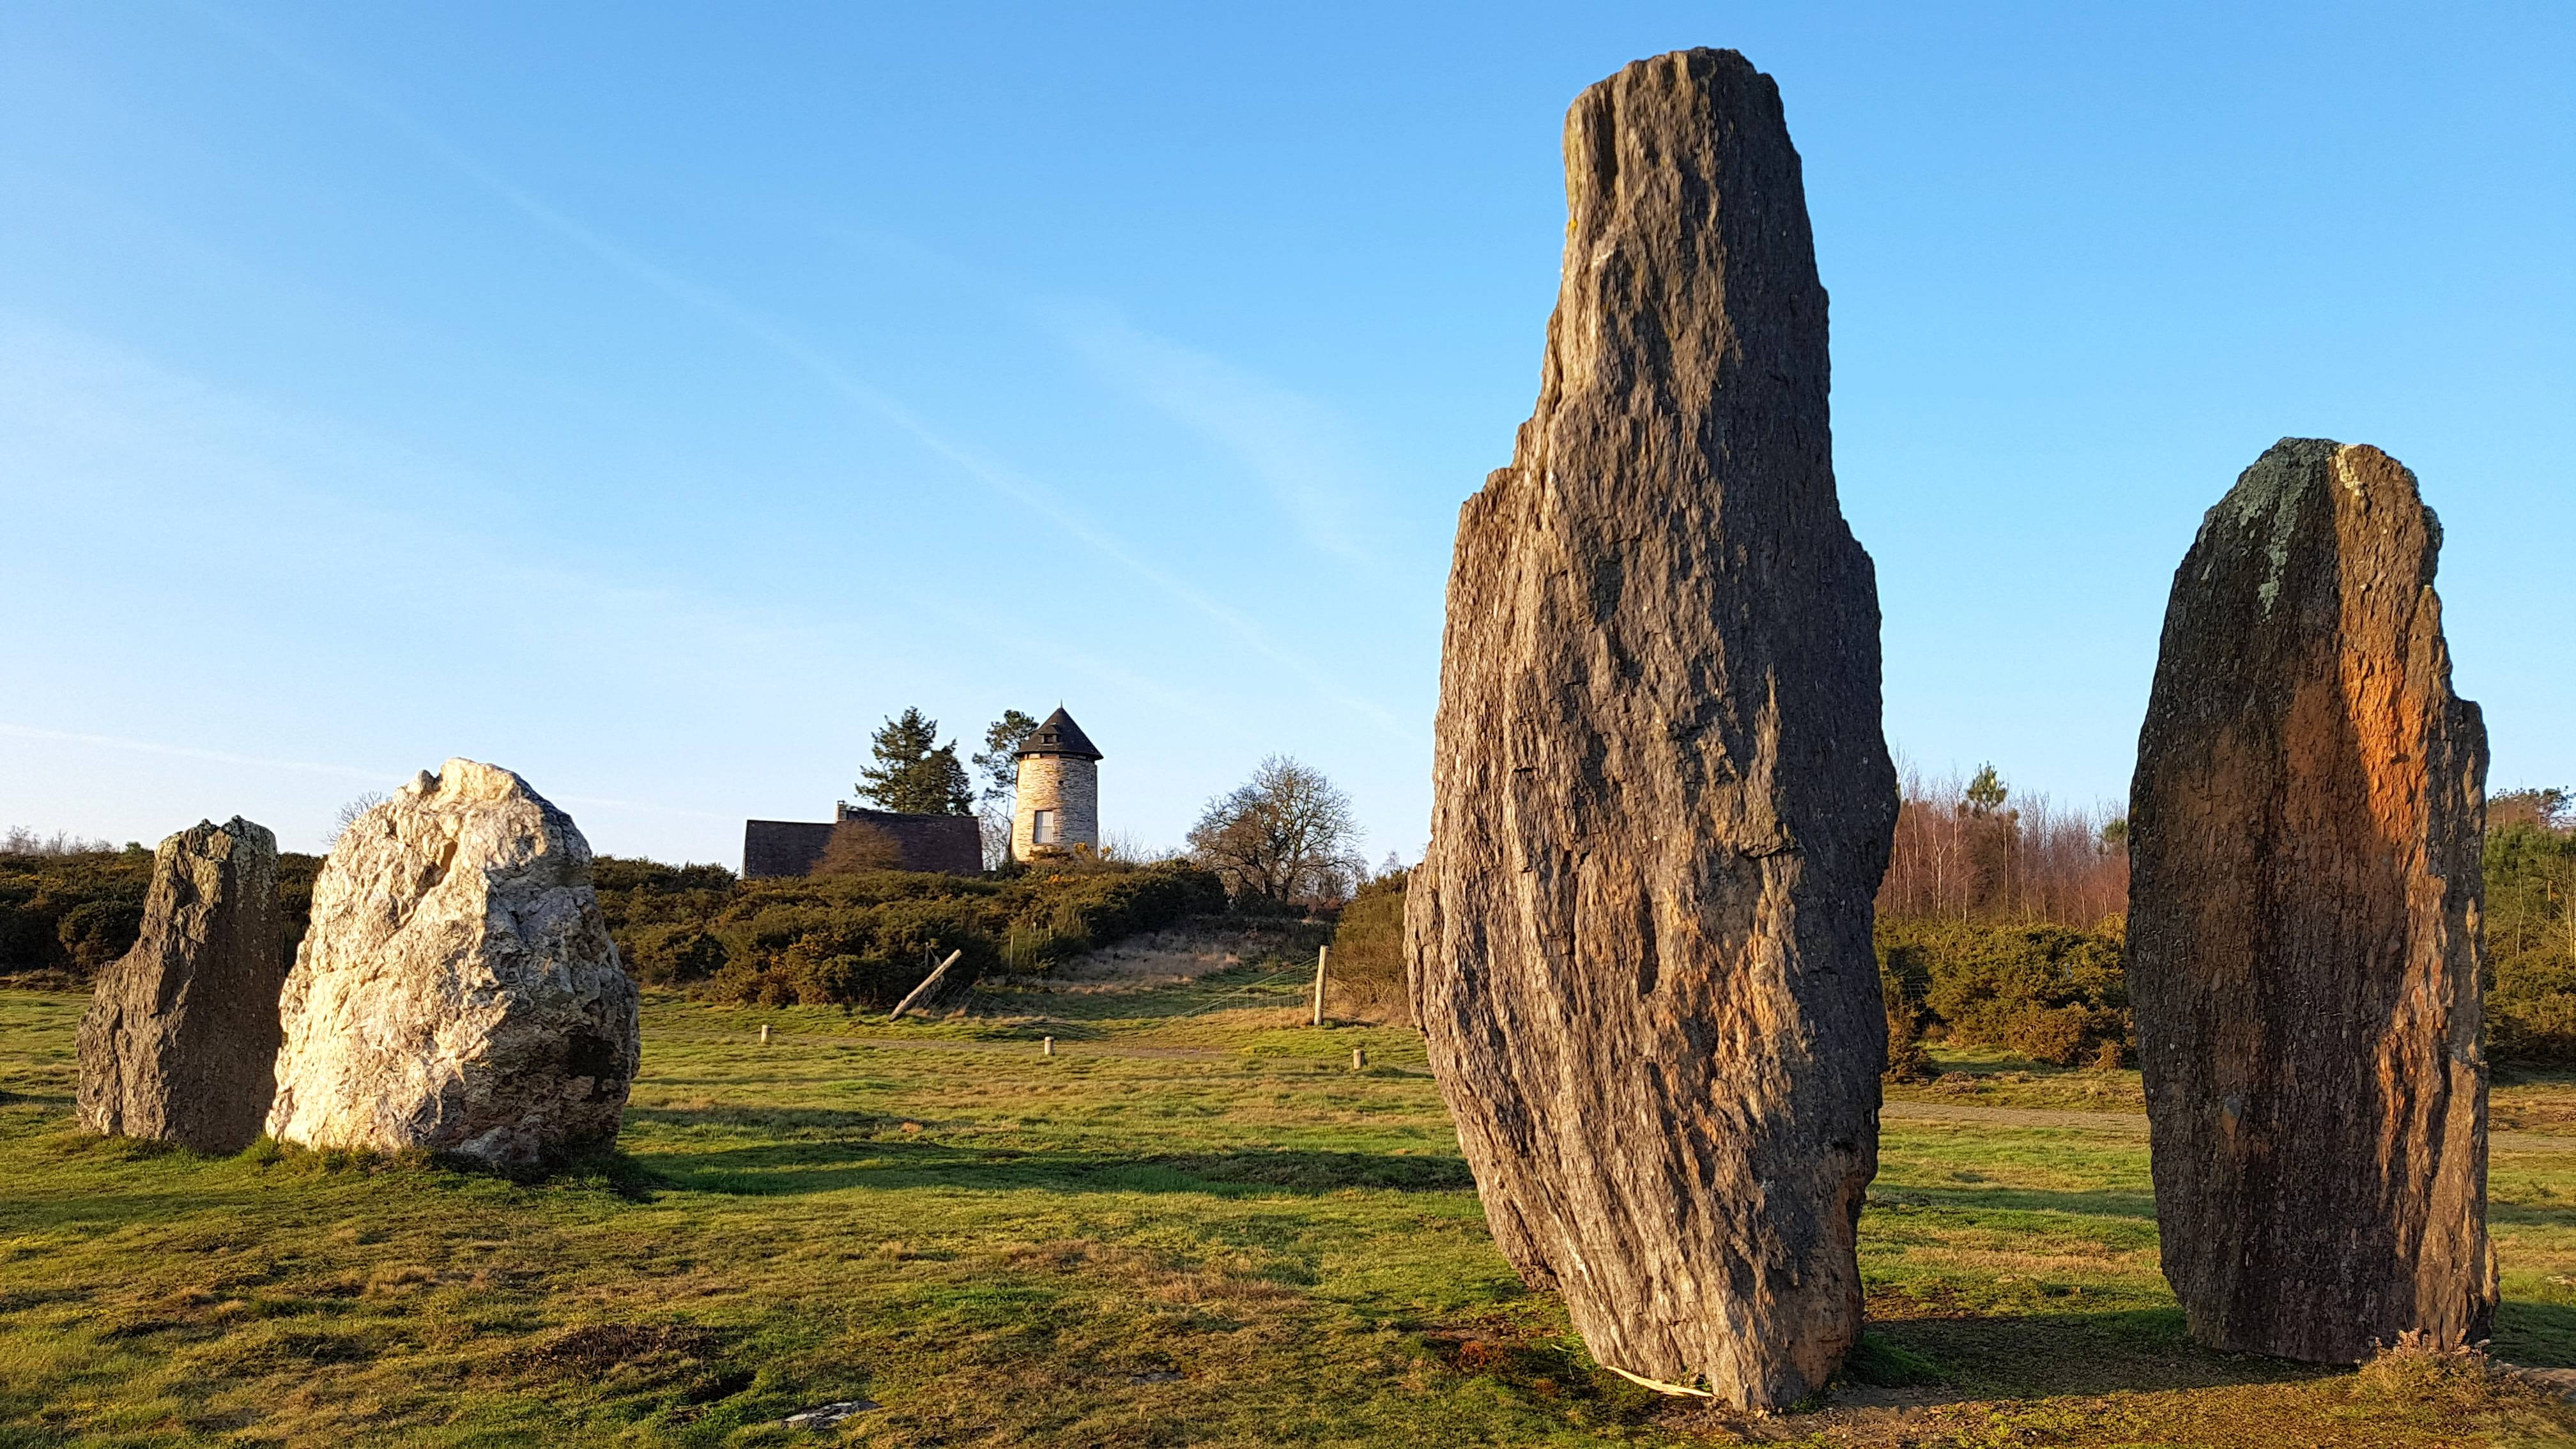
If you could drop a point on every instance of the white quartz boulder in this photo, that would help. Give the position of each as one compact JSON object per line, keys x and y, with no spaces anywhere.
{"x":457,"y":989}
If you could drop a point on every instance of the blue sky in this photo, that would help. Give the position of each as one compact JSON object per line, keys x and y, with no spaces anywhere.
{"x":652,"y":398}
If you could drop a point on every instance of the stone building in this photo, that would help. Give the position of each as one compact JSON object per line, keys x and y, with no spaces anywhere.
{"x":950,"y":843}
{"x":1057,"y":804}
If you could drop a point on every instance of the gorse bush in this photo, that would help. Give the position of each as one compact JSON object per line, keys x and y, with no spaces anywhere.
{"x":64,"y":914}
{"x":1907,"y":1061}
{"x":867,"y":937}
{"x":864,"y":938}
{"x":94,"y":933}
{"x":1367,"y":971}
{"x":2050,"y":993}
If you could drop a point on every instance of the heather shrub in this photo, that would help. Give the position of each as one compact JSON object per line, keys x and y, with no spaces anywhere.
{"x":65,"y":913}
{"x":1367,"y":975}
{"x":2050,"y":993}
{"x":865,"y":937}
{"x":1907,"y":1061}
{"x":95,"y":933}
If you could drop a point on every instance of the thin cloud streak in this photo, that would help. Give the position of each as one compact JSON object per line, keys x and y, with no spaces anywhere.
{"x":1289,"y":441}
{"x":309,"y":767}
{"x":723,"y":308}
{"x":88,"y":391}
{"x":192,"y":752}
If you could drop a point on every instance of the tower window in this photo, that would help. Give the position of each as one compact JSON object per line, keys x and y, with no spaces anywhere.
{"x":1042,"y":830}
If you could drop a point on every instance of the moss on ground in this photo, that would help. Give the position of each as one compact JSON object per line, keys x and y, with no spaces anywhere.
{"x":1195,"y":1224}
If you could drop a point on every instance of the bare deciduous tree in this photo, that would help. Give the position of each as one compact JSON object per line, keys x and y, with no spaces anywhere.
{"x":993,"y":830}
{"x":349,"y":814}
{"x":1284,"y":837}
{"x":19,"y":840}
{"x":1961,"y":853}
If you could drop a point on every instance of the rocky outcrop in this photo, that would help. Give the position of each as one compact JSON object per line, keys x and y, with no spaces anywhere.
{"x":2303,"y":944}
{"x":180,"y":1042}
{"x":457,"y":990}
{"x":1640,"y":940}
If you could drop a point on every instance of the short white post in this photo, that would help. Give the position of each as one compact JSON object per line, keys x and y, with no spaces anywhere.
{"x":764,"y":1033}
{"x":1050,"y":1046}
{"x":1359,"y":1059}
{"x":1322,"y":955}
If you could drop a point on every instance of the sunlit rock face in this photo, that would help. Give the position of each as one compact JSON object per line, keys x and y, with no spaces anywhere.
{"x":2303,"y":949}
{"x":180,"y":1041}
{"x":457,"y":990}
{"x":1640,"y":941}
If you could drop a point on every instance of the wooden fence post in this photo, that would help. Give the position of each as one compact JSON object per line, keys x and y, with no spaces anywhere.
{"x":1322,"y":955}
{"x":928,"y":983}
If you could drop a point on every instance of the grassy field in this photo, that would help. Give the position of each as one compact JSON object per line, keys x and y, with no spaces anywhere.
{"x":1195,"y":1224}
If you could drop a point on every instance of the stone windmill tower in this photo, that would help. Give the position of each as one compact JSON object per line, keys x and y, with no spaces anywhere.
{"x":1057,"y":804}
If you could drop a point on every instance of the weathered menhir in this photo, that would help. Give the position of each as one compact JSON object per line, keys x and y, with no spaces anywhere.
{"x":1640,"y":940}
{"x":180,"y":1040}
{"x":457,"y":989}
{"x":2303,"y":951}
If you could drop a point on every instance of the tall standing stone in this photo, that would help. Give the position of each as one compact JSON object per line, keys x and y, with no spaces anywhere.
{"x":180,"y":1041}
{"x":1640,"y":940}
{"x":2303,"y":942}
{"x":457,"y":989}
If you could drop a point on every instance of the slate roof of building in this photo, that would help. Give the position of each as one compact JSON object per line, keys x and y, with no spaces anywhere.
{"x":950,"y":843}
{"x":1058,"y":736}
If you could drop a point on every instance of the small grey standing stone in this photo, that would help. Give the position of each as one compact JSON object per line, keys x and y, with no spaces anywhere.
{"x":2304,"y":838}
{"x":457,"y":989}
{"x":1640,"y":939}
{"x":180,"y":1041}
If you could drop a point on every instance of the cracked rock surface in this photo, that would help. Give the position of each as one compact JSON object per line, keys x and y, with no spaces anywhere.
{"x":1640,"y":940}
{"x":457,"y":990}
{"x":2303,"y":957}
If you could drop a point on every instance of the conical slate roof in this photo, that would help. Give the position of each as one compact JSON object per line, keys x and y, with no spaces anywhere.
{"x":1058,"y":736}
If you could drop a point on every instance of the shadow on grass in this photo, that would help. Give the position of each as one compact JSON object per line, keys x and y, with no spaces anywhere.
{"x":2040,"y":1355}
{"x":2535,"y":1335}
{"x":770,"y":1121}
{"x":790,"y":1168}
{"x":2529,"y":1215}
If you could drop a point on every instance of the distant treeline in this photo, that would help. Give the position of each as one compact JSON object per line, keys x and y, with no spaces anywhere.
{"x":2003,"y":923}
{"x":1998,"y":924}
{"x":2005,"y":926}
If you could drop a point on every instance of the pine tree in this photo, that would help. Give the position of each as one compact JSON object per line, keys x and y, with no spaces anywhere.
{"x":999,"y":764}
{"x":914,"y":773}
{"x":1986,"y":793}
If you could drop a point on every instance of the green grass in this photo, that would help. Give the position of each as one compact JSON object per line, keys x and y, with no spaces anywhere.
{"x":1195,"y":1224}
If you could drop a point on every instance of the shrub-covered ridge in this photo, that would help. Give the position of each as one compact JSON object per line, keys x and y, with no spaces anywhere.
{"x":867,"y":938}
